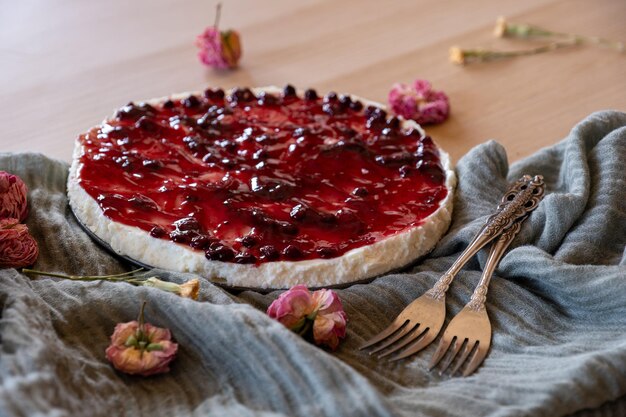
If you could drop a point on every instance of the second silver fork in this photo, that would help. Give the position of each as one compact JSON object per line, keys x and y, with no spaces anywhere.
{"x":421,"y":321}
{"x":470,"y":329}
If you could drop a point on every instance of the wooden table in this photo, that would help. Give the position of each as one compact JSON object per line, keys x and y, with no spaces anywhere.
{"x":65,"y":65}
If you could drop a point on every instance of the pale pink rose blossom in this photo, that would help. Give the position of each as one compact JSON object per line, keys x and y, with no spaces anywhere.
{"x":330,"y":323}
{"x":292,"y":307}
{"x":13,"y":193}
{"x":419,"y":102}
{"x":17,"y":246}
{"x":141,"y":348}
{"x":318,"y":316}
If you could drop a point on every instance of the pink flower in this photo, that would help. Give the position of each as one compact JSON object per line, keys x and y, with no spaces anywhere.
{"x":17,"y":246}
{"x":292,"y":307}
{"x":12,"y":197}
{"x":330,"y":322}
{"x":318,"y":316}
{"x":139,"y":348}
{"x":419,"y":102}
{"x":219,"y":49}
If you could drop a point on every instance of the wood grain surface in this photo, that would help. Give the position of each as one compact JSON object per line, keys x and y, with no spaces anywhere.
{"x":66,"y":64}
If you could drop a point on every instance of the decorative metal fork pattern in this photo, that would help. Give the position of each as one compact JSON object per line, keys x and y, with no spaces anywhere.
{"x":471,"y":327}
{"x":421,"y":321}
{"x":521,"y":198}
{"x":479,"y":296}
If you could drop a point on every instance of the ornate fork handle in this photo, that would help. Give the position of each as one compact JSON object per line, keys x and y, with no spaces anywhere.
{"x":479,"y":296}
{"x":517,"y":202}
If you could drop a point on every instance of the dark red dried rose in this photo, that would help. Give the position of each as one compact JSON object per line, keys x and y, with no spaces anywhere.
{"x":17,"y":246}
{"x":12,"y":197}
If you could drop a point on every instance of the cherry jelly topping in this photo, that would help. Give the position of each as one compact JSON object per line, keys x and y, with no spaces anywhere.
{"x":257,"y":178}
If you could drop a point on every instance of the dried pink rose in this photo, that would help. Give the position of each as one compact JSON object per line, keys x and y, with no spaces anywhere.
{"x":17,"y":246}
{"x":292,"y":307}
{"x":139,"y":348}
{"x":330,"y":323}
{"x":316,"y":316}
{"x":13,"y":193}
{"x":419,"y":102}
{"x":219,"y":49}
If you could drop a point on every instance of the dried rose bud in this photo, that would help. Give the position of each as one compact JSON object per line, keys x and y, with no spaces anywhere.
{"x":219,"y":49}
{"x":316,"y":316}
{"x":419,"y":102}
{"x":17,"y":246}
{"x":13,"y":193}
{"x":139,"y":348}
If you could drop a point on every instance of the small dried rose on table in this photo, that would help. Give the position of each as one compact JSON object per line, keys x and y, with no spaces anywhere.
{"x":13,"y":193}
{"x":17,"y":246}
{"x":219,"y":48}
{"x":139,"y":348}
{"x":419,"y":102}
{"x":316,"y":316}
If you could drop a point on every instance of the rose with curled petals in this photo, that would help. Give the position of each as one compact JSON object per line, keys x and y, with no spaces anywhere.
{"x":419,"y":102}
{"x":316,"y":316}
{"x":292,"y":307}
{"x":330,"y":322}
{"x":139,"y":348}
{"x":17,"y":246}
{"x":219,"y":49}
{"x":13,"y":193}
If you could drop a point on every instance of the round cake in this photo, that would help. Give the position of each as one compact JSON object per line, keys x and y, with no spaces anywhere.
{"x":263,"y":188}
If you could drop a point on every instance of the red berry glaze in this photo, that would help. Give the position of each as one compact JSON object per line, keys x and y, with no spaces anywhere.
{"x":258,"y":179}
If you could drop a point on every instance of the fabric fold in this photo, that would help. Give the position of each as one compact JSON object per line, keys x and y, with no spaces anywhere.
{"x":557,"y":305}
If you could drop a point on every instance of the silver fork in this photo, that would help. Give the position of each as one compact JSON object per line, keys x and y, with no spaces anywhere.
{"x":471,"y":326}
{"x":421,"y":321}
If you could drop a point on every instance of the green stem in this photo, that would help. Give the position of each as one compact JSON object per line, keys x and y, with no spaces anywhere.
{"x":482,"y":55}
{"x":308,"y":324}
{"x":525,"y":31}
{"x":115,"y":277}
{"x":606,"y":43}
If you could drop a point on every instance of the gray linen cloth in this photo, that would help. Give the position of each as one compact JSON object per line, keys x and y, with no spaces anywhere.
{"x":557,"y":306}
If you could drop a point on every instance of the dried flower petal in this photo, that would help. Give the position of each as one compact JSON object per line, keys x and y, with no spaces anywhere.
{"x":419,"y":102}
{"x":135,"y":361}
{"x":139,"y":348}
{"x":17,"y":246}
{"x":316,"y":316}
{"x":219,"y":49}
{"x":231,"y":47}
{"x":457,"y":56}
{"x":292,"y":307}
{"x":330,"y":322}
{"x":13,"y":193}
{"x":189,"y":289}
{"x":500,"y":30}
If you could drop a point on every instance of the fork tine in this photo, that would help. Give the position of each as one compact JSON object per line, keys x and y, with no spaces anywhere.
{"x":404,"y":330}
{"x":416,"y":333}
{"x":469,"y":347}
{"x":477,"y":359}
{"x":444,"y":344}
{"x":427,"y":337}
{"x":456,"y":346}
{"x":391,"y":329}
